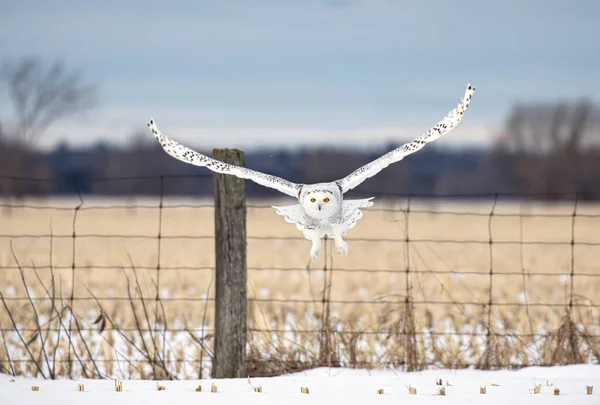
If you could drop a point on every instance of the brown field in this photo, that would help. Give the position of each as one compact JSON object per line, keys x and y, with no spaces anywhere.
{"x":366,"y":320}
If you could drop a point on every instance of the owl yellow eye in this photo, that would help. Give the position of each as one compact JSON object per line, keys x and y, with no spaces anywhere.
{"x":313,"y":200}
{"x":326,"y":200}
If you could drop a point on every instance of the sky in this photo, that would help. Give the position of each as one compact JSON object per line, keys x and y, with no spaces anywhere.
{"x":272,"y":73}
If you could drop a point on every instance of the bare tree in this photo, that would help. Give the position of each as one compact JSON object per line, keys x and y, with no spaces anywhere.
{"x":41,"y":96}
{"x":550,"y":128}
{"x":549,"y":148}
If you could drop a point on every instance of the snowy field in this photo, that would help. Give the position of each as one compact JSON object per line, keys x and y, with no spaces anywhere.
{"x":326,"y":386}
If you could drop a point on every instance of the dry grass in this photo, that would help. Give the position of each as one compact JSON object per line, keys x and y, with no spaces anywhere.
{"x":437,"y":313}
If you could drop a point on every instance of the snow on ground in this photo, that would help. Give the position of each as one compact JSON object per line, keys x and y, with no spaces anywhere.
{"x":326,"y":386}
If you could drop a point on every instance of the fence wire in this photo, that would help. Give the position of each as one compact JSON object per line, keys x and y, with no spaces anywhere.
{"x":94,"y":319}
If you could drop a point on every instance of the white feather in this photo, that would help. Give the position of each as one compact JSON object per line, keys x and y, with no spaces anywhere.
{"x":351,"y":213}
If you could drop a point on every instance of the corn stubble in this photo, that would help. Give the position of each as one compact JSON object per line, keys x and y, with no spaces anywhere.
{"x":429,"y":316}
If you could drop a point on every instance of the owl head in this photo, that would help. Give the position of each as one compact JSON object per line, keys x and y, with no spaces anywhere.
{"x":320,"y":202}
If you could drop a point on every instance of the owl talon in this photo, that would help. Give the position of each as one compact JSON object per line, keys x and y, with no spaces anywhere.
{"x":315,"y":251}
{"x":342,"y":247}
{"x":315,"y":254}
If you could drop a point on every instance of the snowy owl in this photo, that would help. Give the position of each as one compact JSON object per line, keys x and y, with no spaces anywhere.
{"x":322,"y":209}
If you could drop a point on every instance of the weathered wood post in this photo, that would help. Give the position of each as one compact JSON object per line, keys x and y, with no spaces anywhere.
{"x":230,"y":268}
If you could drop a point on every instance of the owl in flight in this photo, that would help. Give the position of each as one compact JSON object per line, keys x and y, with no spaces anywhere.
{"x":322,"y":209}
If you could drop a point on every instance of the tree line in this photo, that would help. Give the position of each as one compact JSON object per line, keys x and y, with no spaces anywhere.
{"x":546,"y":150}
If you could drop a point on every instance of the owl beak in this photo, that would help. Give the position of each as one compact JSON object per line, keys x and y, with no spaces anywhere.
{"x":319,"y":207}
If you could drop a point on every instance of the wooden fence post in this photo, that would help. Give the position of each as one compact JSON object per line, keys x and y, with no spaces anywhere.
{"x":230,"y":269}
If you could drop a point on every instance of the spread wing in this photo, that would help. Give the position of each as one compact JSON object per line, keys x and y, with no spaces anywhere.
{"x":451,"y":120}
{"x":190,"y":156}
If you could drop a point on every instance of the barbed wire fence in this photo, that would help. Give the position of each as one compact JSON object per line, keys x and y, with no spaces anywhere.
{"x":54,"y":326}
